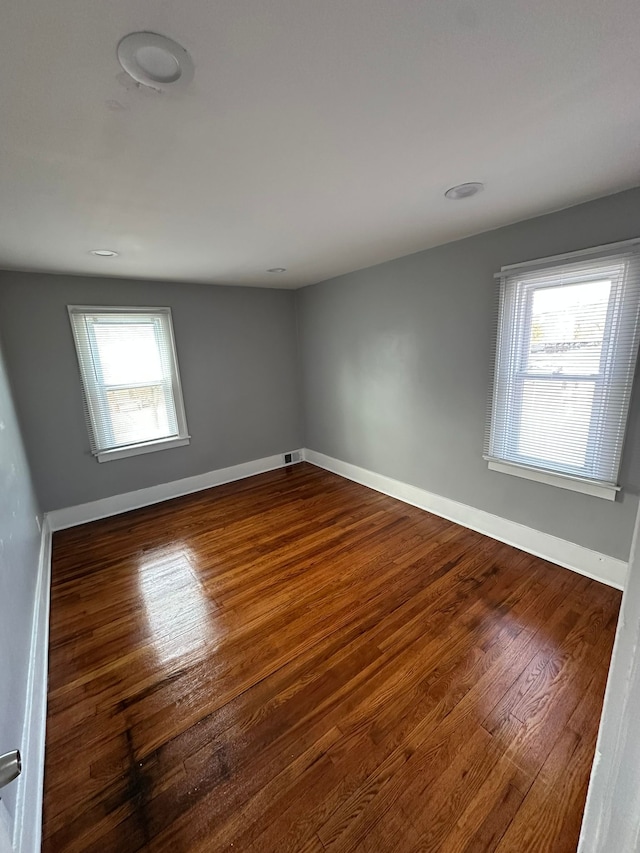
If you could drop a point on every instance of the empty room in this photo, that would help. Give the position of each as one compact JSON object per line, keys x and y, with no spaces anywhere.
{"x":319,"y":426}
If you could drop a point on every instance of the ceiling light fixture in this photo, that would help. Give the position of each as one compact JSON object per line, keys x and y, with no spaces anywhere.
{"x":104,"y":253}
{"x":464,"y":190}
{"x":156,"y":61}
{"x":277,"y":269}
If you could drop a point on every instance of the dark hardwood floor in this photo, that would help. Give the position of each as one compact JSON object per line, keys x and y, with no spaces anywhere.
{"x":297,"y":663}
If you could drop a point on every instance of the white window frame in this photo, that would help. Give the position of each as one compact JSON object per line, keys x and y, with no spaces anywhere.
{"x":92,"y":392}
{"x":515,"y":308}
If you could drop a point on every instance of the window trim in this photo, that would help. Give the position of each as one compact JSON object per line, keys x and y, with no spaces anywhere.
{"x":177,"y":440}
{"x":531,"y":266}
{"x":142,"y":447}
{"x":513,"y":339}
{"x":554,"y":478}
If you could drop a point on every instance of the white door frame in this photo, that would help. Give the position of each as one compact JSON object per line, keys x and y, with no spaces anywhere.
{"x":612,"y":813}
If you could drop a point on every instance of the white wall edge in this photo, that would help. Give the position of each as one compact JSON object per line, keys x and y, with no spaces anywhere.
{"x":569,"y":555}
{"x":27,"y":831}
{"x":59,"y":519}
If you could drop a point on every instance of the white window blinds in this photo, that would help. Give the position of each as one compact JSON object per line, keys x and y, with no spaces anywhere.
{"x":129,"y":377}
{"x":566,"y":348}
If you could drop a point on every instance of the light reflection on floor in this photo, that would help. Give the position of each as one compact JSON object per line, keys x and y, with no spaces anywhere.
{"x":510,"y":710}
{"x":181,"y":617}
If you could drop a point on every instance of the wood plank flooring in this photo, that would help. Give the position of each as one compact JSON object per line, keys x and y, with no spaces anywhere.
{"x":297,"y":663}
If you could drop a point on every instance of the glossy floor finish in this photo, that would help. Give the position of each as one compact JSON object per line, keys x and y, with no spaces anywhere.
{"x":297,"y":663}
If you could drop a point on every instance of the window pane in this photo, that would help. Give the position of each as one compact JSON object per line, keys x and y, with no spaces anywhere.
{"x":140,"y":414}
{"x":128,"y":353}
{"x":555,"y":421}
{"x":567,"y":328}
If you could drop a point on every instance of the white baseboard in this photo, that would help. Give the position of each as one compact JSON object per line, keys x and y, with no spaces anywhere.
{"x":600,"y":567}
{"x":59,"y":519}
{"x":28,"y":818}
{"x":593,"y":564}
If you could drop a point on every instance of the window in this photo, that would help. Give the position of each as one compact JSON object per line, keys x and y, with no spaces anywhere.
{"x":129,"y":372}
{"x":566,"y":349}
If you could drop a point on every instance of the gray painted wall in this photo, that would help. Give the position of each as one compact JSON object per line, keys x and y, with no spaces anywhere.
{"x":237,"y":356}
{"x":396,"y":361}
{"x":19,"y":552}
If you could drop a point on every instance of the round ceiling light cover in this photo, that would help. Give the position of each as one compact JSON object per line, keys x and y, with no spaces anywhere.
{"x":104,"y":253}
{"x":464,"y":190}
{"x":155,"y":61}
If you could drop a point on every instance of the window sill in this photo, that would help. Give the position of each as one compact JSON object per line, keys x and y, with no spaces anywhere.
{"x":146,"y":447}
{"x":563,"y":481}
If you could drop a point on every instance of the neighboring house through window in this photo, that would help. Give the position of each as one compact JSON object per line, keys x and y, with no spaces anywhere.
{"x":566,"y":349}
{"x":130,"y":379}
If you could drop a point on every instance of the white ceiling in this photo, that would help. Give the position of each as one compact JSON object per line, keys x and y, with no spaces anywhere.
{"x":317,"y":135}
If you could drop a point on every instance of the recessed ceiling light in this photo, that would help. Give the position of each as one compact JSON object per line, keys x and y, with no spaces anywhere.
{"x":104,"y":253}
{"x":464,"y":190}
{"x":155,"y":60}
{"x":277,"y":269}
